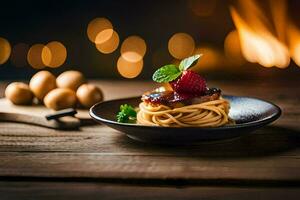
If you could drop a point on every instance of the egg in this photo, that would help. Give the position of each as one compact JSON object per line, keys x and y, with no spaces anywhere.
{"x":60,"y":98}
{"x":19,"y":93}
{"x":41,"y":83}
{"x":70,"y":79}
{"x":88,"y":95}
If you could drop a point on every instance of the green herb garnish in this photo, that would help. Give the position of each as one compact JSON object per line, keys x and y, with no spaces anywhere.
{"x":127,"y":114}
{"x":170,"y":72}
{"x":166,"y":73}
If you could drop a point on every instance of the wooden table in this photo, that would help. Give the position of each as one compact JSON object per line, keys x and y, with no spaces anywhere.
{"x":100,"y":163}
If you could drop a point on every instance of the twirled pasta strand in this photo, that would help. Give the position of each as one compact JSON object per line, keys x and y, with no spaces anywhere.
{"x":207,"y":114}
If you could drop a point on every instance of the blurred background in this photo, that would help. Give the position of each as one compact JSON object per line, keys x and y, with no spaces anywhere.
{"x":128,"y":39}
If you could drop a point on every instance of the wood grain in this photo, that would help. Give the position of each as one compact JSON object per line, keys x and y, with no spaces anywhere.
{"x":270,"y":155}
{"x":91,"y":191}
{"x":74,"y":191}
{"x":36,"y":115}
{"x":35,"y":110}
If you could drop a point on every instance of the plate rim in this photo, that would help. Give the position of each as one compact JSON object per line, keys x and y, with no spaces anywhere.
{"x":264,"y":121}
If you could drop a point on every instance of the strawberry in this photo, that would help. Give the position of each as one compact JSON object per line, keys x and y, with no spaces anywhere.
{"x":189,"y":82}
{"x":182,"y":80}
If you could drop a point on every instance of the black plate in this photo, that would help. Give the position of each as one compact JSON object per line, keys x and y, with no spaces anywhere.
{"x":248,"y":113}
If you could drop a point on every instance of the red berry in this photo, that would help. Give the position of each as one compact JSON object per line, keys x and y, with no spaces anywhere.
{"x":189,"y":82}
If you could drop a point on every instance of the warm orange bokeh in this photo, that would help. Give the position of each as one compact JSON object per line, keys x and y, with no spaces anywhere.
{"x":5,"y":50}
{"x":54,"y":54}
{"x":181,"y":45}
{"x":34,"y":56}
{"x":107,"y":41}
{"x":129,"y":69}
{"x":133,"y":48}
{"x":96,"y":26}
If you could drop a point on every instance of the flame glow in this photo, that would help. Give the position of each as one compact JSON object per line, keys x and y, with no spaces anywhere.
{"x":294,"y":43}
{"x":232,"y":48}
{"x":259,"y":45}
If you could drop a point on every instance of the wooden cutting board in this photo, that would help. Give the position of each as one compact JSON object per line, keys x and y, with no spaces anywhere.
{"x":36,"y":115}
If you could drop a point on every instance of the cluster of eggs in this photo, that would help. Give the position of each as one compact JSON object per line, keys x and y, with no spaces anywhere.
{"x":65,"y":91}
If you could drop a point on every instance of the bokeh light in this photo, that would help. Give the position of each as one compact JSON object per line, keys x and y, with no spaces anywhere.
{"x":133,"y":48}
{"x":129,"y":69}
{"x":96,"y":26}
{"x":181,"y":45}
{"x":19,"y":54}
{"x":54,"y":54}
{"x":5,"y":50}
{"x":34,"y":56}
{"x":104,"y":36}
{"x":232,"y":48}
{"x":107,"y":41}
{"x":202,"y":8}
{"x":211,"y":59}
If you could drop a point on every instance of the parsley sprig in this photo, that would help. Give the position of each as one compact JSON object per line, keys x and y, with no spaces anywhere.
{"x":127,"y":114}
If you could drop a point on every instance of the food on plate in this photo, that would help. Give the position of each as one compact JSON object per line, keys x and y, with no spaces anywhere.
{"x":60,"y":98}
{"x":70,"y":79}
{"x":19,"y":93}
{"x":88,"y":95}
{"x":42,"y":83}
{"x":188,"y":102}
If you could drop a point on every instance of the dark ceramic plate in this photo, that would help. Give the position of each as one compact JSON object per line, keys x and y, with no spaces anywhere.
{"x":248,"y":113}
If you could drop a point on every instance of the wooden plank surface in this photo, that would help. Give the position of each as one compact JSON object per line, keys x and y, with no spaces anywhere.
{"x":271,"y":154}
{"x":91,"y":191}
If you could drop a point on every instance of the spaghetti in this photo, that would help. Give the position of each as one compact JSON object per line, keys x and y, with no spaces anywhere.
{"x":208,"y":114}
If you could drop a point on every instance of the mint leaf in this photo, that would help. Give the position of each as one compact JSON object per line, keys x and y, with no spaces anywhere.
{"x":189,"y":62}
{"x":166,"y":74}
{"x":126,"y":114}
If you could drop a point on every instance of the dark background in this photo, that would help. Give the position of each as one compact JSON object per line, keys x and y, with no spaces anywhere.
{"x":156,"y":21}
